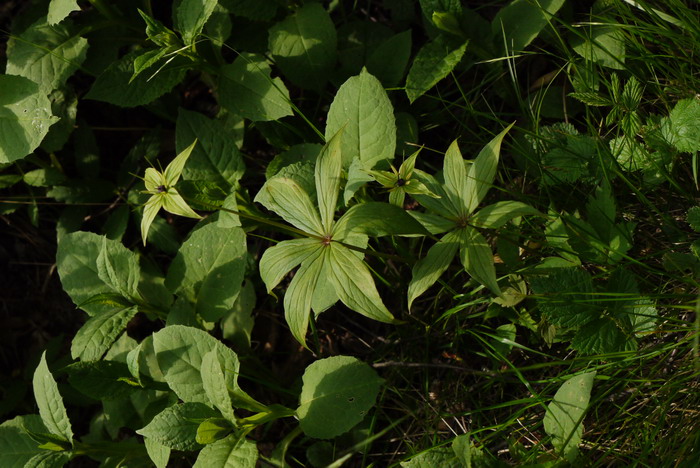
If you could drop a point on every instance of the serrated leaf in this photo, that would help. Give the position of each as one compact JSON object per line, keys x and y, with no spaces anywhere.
{"x":247,"y":89}
{"x":25,"y":117}
{"x":499,"y":213}
{"x":388,"y":61}
{"x":520,"y":22}
{"x":216,"y":157}
{"x":377,"y":219}
{"x":47,"y":55}
{"x":354,"y":284}
{"x":336,"y":394}
{"x":97,"y":334}
{"x":566,"y":297}
{"x":214,"y":385}
{"x":50,"y":403}
{"x":434,"y":61}
{"x":563,"y":419}
{"x":362,"y":108}
{"x":602,"y":336}
{"x":288,"y":199}
{"x":280,"y":259}
{"x":299,"y":294}
{"x":483,"y":170}
{"x":477,"y":259}
{"x":16,"y":447}
{"x":304,"y":45}
{"x":208,"y":269}
{"x":190,"y":16}
{"x":114,"y":85}
{"x":176,"y":426}
{"x":60,"y":9}
{"x":683,"y":128}
{"x":428,"y":269}
{"x":118,"y":267}
{"x":231,"y":452}
{"x":329,"y":166}
{"x":179,"y":352}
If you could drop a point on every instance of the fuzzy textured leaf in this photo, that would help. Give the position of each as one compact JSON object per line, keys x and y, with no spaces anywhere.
{"x":336,"y":394}
{"x":97,"y":334}
{"x":231,"y":452}
{"x":176,"y":426}
{"x":118,"y":267}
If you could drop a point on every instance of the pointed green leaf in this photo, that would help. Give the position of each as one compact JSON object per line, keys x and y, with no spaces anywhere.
{"x":157,"y":452}
{"x":499,"y":213}
{"x":601,"y":43}
{"x":175,"y":204}
{"x":455,"y":174}
{"x":119,"y":268}
{"x":440,"y":204}
{"x":60,"y":9}
{"x":176,"y":426}
{"x":215,"y":385}
{"x":362,"y":108}
{"x":25,"y":117}
{"x":434,"y":61}
{"x":354,"y":284}
{"x":150,"y":210}
{"x":297,"y":299}
{"x":289,"y":200}
{"x":208,"y":269}
{"x":564,"y":417}
{"x":190,"y":16}
{"x":336,"y":394}
{"x":477,"y":258}
{"x":246,"y":88}
{"x":483,"y":170}
{"x":231,"y":452}
{"x":49,"y":460}
{"x":303,"y":45}
{"x":50,"y":403}
{"x":279,"y":260}
{"x":47,"y":55}
{"x":180,"y":350}
{"x":601,"y":211}
{"x":97,"y":334}
{"x":377,"y":219}
{"x":216,"y":157}
{"x":428,"y":269}
{"x":173,"y":172}
{"x":435,"y":224}
{"x":520,"y":22}
{"x":16,"y":446}
{"x":329,"y":167}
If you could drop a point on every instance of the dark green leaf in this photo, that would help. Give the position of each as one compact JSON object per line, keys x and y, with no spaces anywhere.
{"x":176,"y":427}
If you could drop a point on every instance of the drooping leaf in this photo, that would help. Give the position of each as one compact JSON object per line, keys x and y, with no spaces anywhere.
{"x":336,"y":394}
{"x":208,"y":269}
{"x":60,"y":9}
{"x":520,"y":22}
{"x":354,"y":284}
{"x":280,"y":259}
{"x":428,"y":269}
{"x":214,"y":385}
{"x":247,"y":88}
{"x":118,"y":267}
{"x":47,"y":55}
{"x":477,"y":258}
{"x":25,"y":117}
{"x":563,"y":419}
{"x":231,"y":452}
{"x":97,"y":334}
{"x":288,"y":199}
{"x":434,"y":61}
{"x":299,"y":294}
{"x":114,"y":85}
{"x":327,"y":176}
{"x":180,"y":350}
{"x":377,"y":219}
{"x":176,"y":426}
{"x":483,"y":170}
{"x":190,"y":16}
{"x":303,"y":45}
{"x":216,"y":157}
{"x":499,"y":213}
{"x":362,"y":108}
{"x":50,"y":403}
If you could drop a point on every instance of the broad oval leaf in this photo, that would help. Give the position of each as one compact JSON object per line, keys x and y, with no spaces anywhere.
{"x":377,"y":219}
{"x":434,"y":62}
{"x":279,"y":260}
{"x":50,"y":403}
{"x":246,"y":88}
{"x":564,"y":417}
{"x":288,"y":199}
{"x":231,"y":452}
{"x":303,"y":45}
{"x":176,"y":426}
{"x":25,"y":117}
{"x":99,"y":333}
{"x":428,"y":269}
{"x":336,"y":394}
